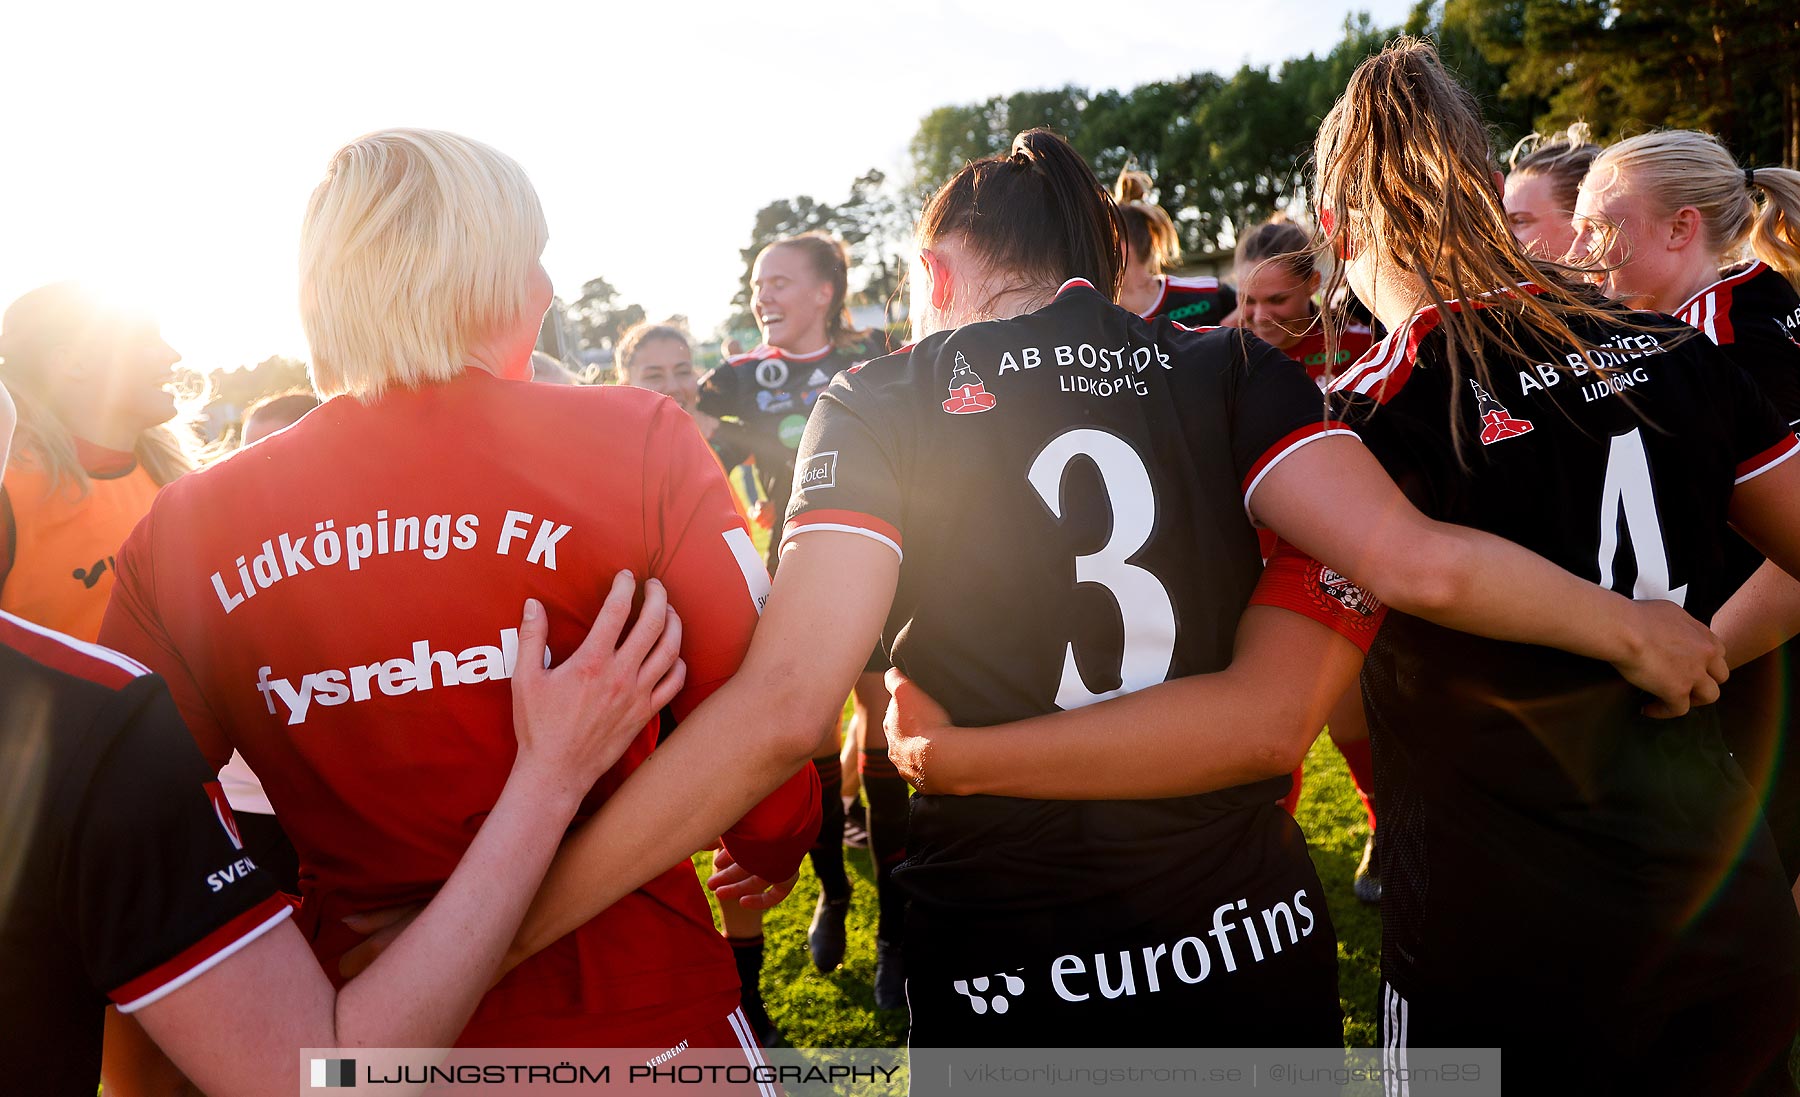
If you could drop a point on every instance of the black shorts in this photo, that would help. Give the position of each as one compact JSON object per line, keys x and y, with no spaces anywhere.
{"x":1583,"y":1038}
{"x":1246,"y":958}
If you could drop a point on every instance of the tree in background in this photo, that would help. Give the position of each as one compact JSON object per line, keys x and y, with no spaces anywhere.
{"x":1224,"y":151}
{"x":1626,"y":66}
{"x":599,"y":317}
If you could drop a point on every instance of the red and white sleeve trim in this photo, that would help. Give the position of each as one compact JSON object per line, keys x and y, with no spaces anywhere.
{"x":843,"y":521}
{"x":1281,"y":450}
{"x":100,"y":665}
{"x":1767,"y":459}
{"x":202,"y":956}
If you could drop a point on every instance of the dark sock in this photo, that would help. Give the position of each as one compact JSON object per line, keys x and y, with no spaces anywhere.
{"x":889,"y":804}
{"x":828,"y":851}
{"x":747,"y":953}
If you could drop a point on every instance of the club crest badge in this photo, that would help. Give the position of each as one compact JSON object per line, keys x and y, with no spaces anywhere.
{"x":1497,"y":424}
{"x":771,"y":373}
{"x":968,"y":396}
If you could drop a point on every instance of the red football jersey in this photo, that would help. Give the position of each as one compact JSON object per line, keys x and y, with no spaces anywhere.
{"x":340,"y":603}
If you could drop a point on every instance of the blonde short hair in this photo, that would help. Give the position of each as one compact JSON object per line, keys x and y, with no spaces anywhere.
{"x":417,"y":244}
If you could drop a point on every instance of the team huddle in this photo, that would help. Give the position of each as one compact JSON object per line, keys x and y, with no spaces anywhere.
{"x":1487,"y":475}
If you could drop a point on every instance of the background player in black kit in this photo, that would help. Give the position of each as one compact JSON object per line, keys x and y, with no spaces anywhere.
{"x":761,"y":400}
{"x":1534,"y":822}
{"x":125,"y":877}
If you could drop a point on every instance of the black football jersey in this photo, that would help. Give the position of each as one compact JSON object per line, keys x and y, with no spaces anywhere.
{"x":1753,"y":314}
{"x":1200,"y":301}
{"x":1533,"y":822}
{"x":762,"y":399}
{"x":1068,"y":489}
{"x":126,"y":875}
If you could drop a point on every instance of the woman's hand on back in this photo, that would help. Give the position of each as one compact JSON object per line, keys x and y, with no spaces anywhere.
{"x":574,"y":721}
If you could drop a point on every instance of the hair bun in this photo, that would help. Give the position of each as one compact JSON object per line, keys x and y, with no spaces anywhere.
{"x":1133,"y":186}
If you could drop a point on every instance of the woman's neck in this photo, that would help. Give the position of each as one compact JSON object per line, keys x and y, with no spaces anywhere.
{"x":1688,"y":280}
{"x":1395,"y":297}
{"x":1139,"y":294}
{"x":99,"y":426}
{"x":1006,"y":304}
{"x":812,"y":342}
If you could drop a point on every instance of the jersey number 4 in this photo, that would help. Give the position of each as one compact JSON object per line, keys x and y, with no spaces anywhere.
{"x":1629,"y":499}
{"x":1144,"y":607}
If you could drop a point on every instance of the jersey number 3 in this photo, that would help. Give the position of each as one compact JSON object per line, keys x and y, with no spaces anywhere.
{"x":1629,"y":499}
{"x":1144,"y":607}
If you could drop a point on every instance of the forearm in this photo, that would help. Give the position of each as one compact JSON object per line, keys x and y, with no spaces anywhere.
{"x":1760,"y":617}
{"x":412,"y":996}
{"x":1485,"y":585}
{"x":1249,"y":722}
{"x":818,"y":625}
{"x":1332,"y":500}
{"x":687,"y":793}
{"x":1188,"y":736}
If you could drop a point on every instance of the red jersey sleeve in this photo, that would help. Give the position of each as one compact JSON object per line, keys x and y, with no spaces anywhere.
{"x":717,"y":584}
{"x":1295,"y":581}
{"x":134,"y":626}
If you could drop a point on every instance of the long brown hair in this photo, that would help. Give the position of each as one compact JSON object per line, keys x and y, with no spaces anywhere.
{"x":1036,"y":212}
{"x":1402,"y":166}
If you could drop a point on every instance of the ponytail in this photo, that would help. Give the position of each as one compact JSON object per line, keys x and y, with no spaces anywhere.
{"x":1036,"y":212}
{"x":1775,"y":234}
{"x":1149,"y":231}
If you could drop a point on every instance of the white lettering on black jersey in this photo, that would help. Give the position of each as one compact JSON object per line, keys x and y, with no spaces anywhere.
{"x":1069,"y":489}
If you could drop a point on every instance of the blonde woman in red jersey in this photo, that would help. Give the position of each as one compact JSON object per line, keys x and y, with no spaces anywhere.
{"x":337,"y":601}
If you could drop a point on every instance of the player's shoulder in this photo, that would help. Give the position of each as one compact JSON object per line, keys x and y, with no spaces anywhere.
{"x":751,"y":357}
{"x":1746,"y":300}
{"x":64,"y":654}
{"x":1382,"y":370}
{"x":1192,"y":283}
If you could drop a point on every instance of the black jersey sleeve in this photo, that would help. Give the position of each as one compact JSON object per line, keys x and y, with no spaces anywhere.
{"x":1772,"y":360}
{"x":847,"y":475}
{"x":157,"y":882}
{"x":1761,"y":436}
{"x":1275,"y":409}
{"x":721,"y":398}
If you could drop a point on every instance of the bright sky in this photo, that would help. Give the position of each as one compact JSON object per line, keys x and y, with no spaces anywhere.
{"x":170,"y":148}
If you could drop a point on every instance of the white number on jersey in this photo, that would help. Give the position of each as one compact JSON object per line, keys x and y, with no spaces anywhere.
{"x":1628,"y":491}
{"x":1144,"y":606}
